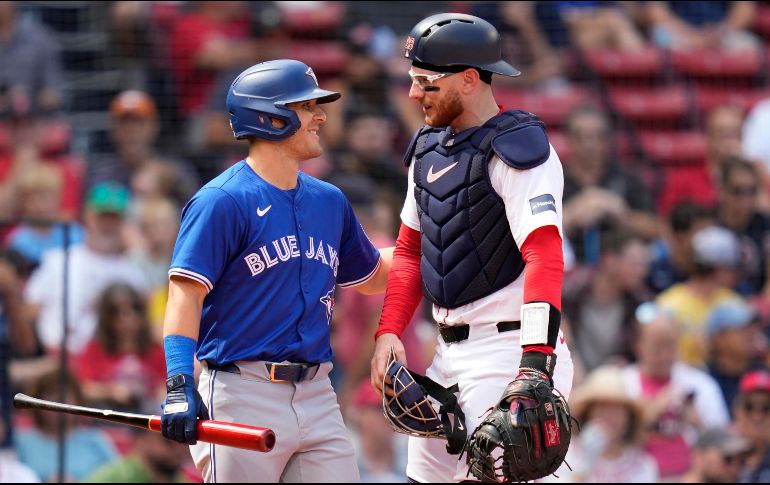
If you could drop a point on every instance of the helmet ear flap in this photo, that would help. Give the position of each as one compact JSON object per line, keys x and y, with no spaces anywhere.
{"x":251,"y":121}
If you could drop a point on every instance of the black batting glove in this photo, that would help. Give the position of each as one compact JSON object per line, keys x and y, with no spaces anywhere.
{"x":182,"y":409}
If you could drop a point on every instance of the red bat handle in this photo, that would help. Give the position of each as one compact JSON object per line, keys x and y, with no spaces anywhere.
{"x":229,"y":434}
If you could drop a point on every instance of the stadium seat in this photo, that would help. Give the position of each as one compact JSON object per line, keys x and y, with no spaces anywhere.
{"x":73,"y":173}
{"x":326,"y":57}
{"x":551,"y":107}
{"x":57,"y":139}
{"x":560,"y":143}
{"x":762,"y":22}
{"x":305,"y":18}
{"x":708,"y":98}
{"x":5,"y":138}
{"x":674,"y":147}
{"x":718,"y":65}
{"x":645,"y":65}
{"x":683,"y":183}
{"x":650,"y":106}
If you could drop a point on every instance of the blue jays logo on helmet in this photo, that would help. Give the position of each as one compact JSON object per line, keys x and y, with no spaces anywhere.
{"x":408,"y":410}
{"x":262,"y":92}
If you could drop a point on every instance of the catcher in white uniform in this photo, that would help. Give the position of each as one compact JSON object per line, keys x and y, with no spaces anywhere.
{"x":482,"y":234}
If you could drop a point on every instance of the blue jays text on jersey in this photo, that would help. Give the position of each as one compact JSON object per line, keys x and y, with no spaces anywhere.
{"x":270,"y":259}
{"x":285,"y":248}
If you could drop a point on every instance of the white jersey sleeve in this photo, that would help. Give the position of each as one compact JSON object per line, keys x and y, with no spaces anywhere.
{"x":409,"y":215}
{"x":533,"y":198}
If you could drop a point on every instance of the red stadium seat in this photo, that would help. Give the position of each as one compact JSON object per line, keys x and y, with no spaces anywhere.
{"x":326,"y":57}
{"x":551,"y":107}
{"x":317,"y":18}
{"x":623,"y":146}
{"x":560,"y":143}
{"x":5,"y":138}
{"x":762,"y":21}
{"x":716,"y":64}
{"x":73,"y":173}
{"x":674,"y":147}
{"x":686,"y":183}
{"x":708,"y":98}
{"x":651,"y":105}
{"x":57,"y":139}
{"x":646,"y":64}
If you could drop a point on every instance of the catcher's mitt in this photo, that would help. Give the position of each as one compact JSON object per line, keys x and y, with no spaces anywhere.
{"x":524,"y":437}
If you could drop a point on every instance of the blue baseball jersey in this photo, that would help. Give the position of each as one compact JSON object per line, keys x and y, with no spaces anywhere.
{"x":270,"y":259}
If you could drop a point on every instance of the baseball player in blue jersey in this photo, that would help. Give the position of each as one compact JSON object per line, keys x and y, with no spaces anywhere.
{"x":251,"y":293}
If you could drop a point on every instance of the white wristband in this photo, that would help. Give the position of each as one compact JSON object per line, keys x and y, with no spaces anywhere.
{"x":534,"y":323}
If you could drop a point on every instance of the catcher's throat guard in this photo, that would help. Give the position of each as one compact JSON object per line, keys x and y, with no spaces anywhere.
{"x":410,"y":408}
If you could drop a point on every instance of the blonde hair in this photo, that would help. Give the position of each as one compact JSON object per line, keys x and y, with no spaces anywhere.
{"x":157,"y":206}
{"x":41,"y":176}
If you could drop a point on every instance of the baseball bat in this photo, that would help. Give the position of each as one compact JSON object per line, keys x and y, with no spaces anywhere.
{"x":218,"y":432}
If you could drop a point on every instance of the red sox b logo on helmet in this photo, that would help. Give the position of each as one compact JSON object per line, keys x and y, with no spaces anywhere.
{"x":409,"y":45}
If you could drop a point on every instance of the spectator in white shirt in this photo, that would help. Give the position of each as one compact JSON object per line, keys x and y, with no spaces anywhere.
{"x":93,"y":266}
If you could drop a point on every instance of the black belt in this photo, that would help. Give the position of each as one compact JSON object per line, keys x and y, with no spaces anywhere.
{"x":458,"y":333}
{"x":277,"y":372}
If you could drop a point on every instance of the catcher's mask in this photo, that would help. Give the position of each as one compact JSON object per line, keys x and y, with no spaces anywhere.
{"x":409,"y":409}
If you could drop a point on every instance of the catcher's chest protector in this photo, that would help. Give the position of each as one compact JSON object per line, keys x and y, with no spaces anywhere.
{"x":468,"y":251}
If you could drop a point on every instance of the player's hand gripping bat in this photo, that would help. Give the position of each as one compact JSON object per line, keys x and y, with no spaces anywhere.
{"x":217,"y":432}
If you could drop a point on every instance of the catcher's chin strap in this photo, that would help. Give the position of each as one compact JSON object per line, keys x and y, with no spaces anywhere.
{"x":455,"y":430}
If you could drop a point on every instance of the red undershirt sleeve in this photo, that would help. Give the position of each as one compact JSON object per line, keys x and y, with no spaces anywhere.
{"x":542,"y":251}
{"x":404,"y":290}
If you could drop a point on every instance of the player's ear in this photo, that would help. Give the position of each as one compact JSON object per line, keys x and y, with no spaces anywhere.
{"x":277,"y":123}
{"x":470,"y":80}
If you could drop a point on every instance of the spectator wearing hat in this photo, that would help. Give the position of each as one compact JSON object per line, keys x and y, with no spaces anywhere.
{"x":608,"y":448}
{"x":716,"y":261}
{"x":679,"y":399}
{"x":752,"y":421}
{"x":717,"y":457}
{"x":100,"y":261}
{"x":732,"y":336}
{"x":134,"y":130}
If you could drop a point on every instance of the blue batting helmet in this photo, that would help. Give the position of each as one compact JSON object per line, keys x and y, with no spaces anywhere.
{"x":262,"y":92}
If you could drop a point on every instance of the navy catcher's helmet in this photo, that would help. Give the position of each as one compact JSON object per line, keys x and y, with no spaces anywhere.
{"x":455,"y":39}
{"x":262,"y":92}
{"x":409,"y":410}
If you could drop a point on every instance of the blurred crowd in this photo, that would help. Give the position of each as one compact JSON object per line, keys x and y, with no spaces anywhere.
{"x":112,"y":115}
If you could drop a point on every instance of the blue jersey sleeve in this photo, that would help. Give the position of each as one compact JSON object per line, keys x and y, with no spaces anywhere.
{"x":209,"y":237}
{"x":359,"y":259}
